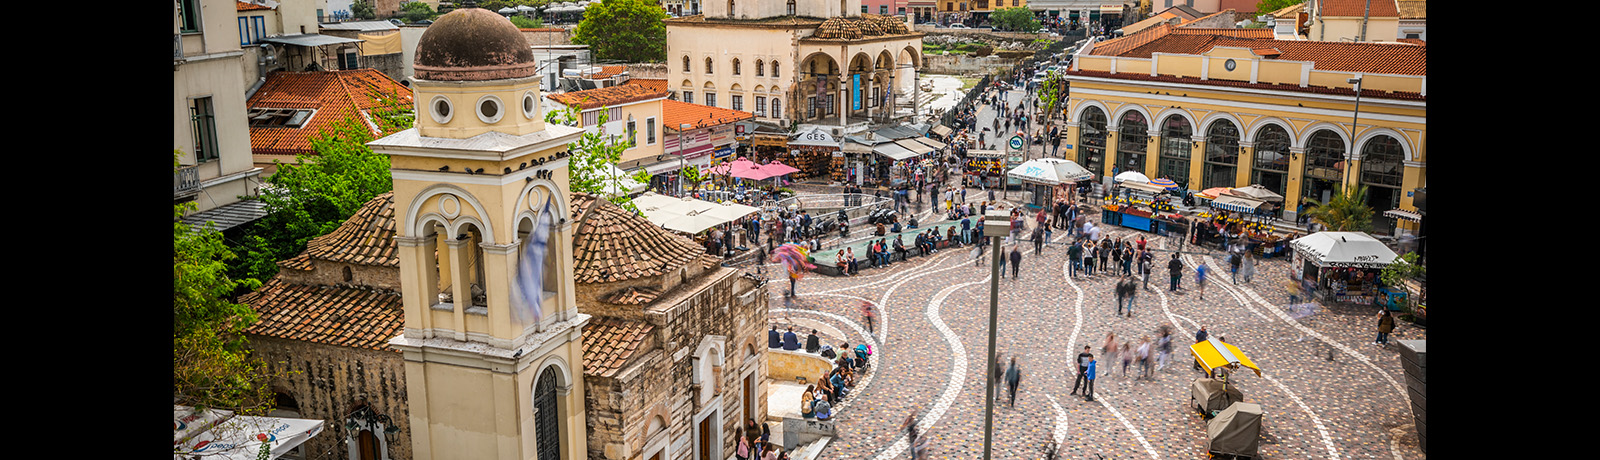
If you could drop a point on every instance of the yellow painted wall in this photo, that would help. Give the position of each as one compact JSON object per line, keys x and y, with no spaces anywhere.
{"x":722,"y":45}
{"x":1139,"y":66}
{"x":1279,"y":71}
{"x":465,"y":97}
{"x":785,"y":366}
{"x":1178,"y":66}
{"x":1348,"y":28}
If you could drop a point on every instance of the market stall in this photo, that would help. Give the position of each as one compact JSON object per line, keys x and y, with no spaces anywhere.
{"x":1047,"y":177}
{"x":1340,"y":266}
{"x":1141,"y":206}
{"x":985,"y":168}
{"x":812,"y":153}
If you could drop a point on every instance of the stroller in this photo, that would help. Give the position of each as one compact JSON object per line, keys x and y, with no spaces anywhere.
{"x":862,"y":352}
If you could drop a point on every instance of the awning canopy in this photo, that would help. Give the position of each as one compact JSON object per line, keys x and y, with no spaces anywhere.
{"x":1236,"y":203}
{"x":1213,"y":354}
{"x":1344,"y":249}
{"x":688,"y":215}
{"x":856,"y":147}
{"x":229,"y":216}
{"x":1050,"y":171}
{"x":1145,"y":186}
{"x":768,"y":140}
{"x":223,"y":435}
{"x":914,"y":146}
{"x":816,"y":137}
{"x":1403,"y":215}
{"x":931,"y":143}
{"x":894,"y":151}
{"x":985,"y":154}
{"x":941,"y":130}
{"x":309,"y":40}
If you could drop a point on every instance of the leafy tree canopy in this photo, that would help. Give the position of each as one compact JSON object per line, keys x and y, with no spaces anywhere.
{"x":589,"y":168}
{"x":415,"y":11}
{"x":1014,"y":19}
{"x":1347,"y":211}
{"x":624,"y":30}
{"x":212,"y":366}
{"x":525,"y":23}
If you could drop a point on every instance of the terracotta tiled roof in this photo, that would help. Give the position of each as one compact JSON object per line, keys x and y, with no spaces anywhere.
{"x":1149,"y":22}
{"x":1289,"y":12}
{"x":676,"y":113}
{"x":655,"y":84}
{"x":1404,"y":96}
{"x":1380,"y":8}
{"x":342,"y":316}
{"x":866,"y":25}
{"x":335,"y":94}
{"x":366,"y":238}
{"x":710,"y":261}
{"x":607,"y":97}
{"x":609,"y":70}
{"x":612,"y":244}
{"x":1413,"y":41}
{"x":246,"y":6}
{"x":609,"y":342}
{"x":632,"y":296}
{"x":579,"y":203}
{"x":1122,"y":45}
{"x":1389,"y":58}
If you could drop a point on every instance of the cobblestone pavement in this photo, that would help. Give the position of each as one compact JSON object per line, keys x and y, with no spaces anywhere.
{"x":932,"y":335}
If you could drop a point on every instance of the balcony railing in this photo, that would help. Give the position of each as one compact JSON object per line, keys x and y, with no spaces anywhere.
{"x":186,"y":181}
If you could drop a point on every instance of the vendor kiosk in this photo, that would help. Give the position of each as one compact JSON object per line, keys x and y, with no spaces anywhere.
{"x":1140,"y":206}
{"x":985,"y":168}
{"x":1342,"y":267}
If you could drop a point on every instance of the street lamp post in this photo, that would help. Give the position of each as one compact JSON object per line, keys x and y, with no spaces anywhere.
{"x":996,"y":223}
{"x":1355,"y":115}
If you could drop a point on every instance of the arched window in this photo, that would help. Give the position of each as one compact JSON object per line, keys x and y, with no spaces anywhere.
{"x":1272,"y":159}
{"x":730,"y":12}
{"x":791,"y":7}
{"x":774,"y":69}
{"x":348,"y":275}
{"x":1176,"y":144}
{"x":1092,"y":139}
{"x":1382,"y":169}
{"x":1222,"y":155}
{"x":548,"y":433}
{"x":761,"y":68}
{"x":708,"y":66}
{"x":735,"y":66}
{"x":1324,"y":166}
{"x":1133,"y":139}
{"x":686,"y":64}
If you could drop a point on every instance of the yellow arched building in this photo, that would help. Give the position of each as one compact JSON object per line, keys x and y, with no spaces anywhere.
{"x":1226,"y":108}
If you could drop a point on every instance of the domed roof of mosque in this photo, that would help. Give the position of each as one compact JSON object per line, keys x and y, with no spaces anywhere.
{"x":473,"y":44}
{"x":866,"y":25}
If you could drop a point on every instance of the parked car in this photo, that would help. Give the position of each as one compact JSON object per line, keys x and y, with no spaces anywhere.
{"x":959,"y":26}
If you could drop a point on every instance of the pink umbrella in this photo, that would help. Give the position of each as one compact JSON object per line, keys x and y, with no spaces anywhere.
{"x":777,"y":168}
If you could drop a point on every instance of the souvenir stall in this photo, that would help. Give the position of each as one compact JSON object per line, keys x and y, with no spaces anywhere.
{"x":1340,"y":266}
{"x":1247,"y":222}
{"x":812,"y":153}
{"x":1141,"y":206}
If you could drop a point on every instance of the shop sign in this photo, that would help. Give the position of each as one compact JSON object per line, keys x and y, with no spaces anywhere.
{"x":721,"y":135}
{"x":855,"y":92}
{"x":1015,"y":143}
{"x":1067,"y":146}
{"x":838,"y":154}
{"x":816,"y":135}
{"x":722,"y":152}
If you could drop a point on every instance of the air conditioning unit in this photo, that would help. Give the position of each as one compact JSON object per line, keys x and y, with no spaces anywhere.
{"x":838,"y":132}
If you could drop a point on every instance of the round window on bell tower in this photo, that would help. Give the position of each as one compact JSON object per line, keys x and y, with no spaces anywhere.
{"x":489,"y":109}
{"x":442,"y":110}
{"x":530,"y":106}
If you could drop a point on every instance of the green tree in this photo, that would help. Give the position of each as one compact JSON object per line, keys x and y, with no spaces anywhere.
{"x":415,"y":11}
{"x":1268,"y":6}
{"x":362,"y":10}
{"x":589,"y":168}
{"x":525,"y":23}
{"x":1014,"y":19}
{"x":212,"y":366}
{"x":1402,"y":269}
{"x":691,"y":176}
{"x":624,"y":30}
{"x":1347,"y":211}
{"x":313,"y":196}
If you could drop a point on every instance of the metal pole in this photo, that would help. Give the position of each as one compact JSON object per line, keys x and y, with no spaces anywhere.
{"x":1355,"y":115}
{"x":994,"y":310}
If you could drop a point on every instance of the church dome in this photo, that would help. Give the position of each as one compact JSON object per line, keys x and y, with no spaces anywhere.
{"x":473,"y":44}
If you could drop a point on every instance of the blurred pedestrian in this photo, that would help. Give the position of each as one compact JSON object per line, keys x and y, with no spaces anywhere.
{"x":1013,"y":379}
{"x":1109,"y":351}
{"x":1385,"y":326}
{"x":1127,"y":357}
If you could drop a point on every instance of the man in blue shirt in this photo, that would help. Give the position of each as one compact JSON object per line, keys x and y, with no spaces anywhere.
{"x":1200,"y":278}
{"x":773,"y":341}
{"x":791,"y":341}
{"x":966,"y":230}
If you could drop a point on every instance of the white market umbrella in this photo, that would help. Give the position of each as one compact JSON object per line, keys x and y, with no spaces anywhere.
{"x":1051,"y":171}
{"x":525,"y":8}
{"x":1131,"y":176}
{"x":1257,"y":192}
{"x":221,"y":434}
{"x":1345,"y":249}
{"x":507,"y":10}
{"x":730,"y":212}
{"x":694,"y":222}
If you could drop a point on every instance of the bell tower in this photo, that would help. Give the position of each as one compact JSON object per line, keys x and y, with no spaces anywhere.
{"x":489,"y":375}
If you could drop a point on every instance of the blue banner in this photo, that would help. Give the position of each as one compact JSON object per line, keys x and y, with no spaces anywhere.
{"x":855,"y":91}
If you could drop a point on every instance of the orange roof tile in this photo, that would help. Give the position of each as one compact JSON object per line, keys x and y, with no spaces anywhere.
{"x":1357,"y":8}
{"x":335,"y":94}
{"x":1390,"y":58}
{"x":612,"y":244}
{"x":366,"y":238}
{"x":676,"y":113}
{"x":332,"y":315}
{"x":609,"y":70}
{"x":608,"y":343}
{"x":606,"y":97}
{"x":247,"y":6}
{"x":1404,"y":96}
{"x":657,"y":84}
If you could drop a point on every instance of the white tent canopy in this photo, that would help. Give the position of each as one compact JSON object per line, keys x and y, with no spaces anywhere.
{"x":1050,"y":171}
{"x":219,"y":434}
{"x":1134,"y":176}
{"x":1344,"y":249}
{"x":689,"y":215}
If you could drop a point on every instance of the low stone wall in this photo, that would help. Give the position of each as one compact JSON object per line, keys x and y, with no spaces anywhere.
{"x":982,"y":34}
{"x":787,"y":366}
{"x":548,"y":36}
{"x":963,"y":64}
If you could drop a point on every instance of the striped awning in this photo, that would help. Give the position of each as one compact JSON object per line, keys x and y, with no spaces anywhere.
{"x":1236,"y":204}
{"x":1403,"y":215}
{"x":941,"y":130}
{"x":932,"y":143}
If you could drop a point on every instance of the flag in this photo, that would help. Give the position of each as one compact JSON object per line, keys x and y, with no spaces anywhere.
{"x":530,"y":271}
